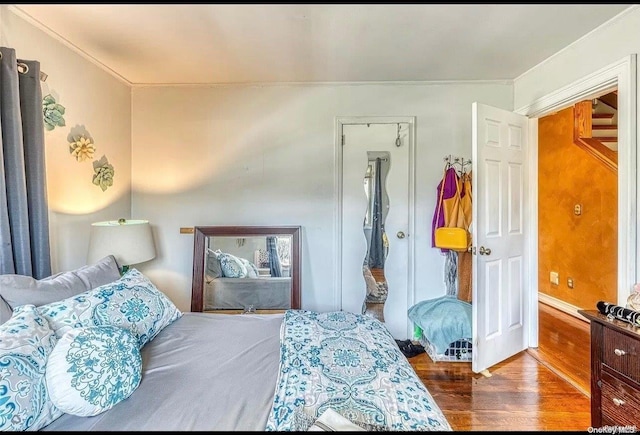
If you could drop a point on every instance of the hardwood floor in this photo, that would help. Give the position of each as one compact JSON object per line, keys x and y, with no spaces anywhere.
{"x":522,"y":394}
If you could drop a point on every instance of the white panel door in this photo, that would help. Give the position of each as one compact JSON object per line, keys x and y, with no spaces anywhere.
{"x":499,"y":267}
{"x":359,"y":139}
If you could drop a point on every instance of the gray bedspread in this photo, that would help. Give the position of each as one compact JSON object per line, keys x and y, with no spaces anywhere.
{"x":238,"y":293}
{"x":202,"y":372}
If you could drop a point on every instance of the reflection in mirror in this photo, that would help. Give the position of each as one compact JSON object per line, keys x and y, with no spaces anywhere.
{"x":377,"y":241}
{"x":247,"y":273}
{"x":245,"y":269}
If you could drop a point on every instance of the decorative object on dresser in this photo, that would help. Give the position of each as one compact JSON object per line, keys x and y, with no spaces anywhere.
{"x":130,"y":241}
{"x":261,"y":274}
{"x":615,"y":371}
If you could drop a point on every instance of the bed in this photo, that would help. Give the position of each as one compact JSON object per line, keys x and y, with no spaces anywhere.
{"x":199,"y":371}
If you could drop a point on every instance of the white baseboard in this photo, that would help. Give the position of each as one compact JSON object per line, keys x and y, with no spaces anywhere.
{"x":560,"y":305}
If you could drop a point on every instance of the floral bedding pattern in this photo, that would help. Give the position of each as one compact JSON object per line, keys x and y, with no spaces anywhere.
{"x":350,"y":363}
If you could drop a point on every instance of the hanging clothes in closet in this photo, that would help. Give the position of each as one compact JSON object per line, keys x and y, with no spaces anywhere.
{"x":455,"y":188}
{"x":464,"y":258}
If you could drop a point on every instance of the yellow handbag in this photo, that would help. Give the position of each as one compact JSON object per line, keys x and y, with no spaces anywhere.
{"x":453,"y":238}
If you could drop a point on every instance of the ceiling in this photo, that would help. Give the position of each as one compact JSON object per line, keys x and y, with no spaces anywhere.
{"x":266,"y":43}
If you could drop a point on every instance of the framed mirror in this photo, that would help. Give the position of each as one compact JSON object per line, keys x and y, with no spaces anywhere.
{"x":246,"y":269}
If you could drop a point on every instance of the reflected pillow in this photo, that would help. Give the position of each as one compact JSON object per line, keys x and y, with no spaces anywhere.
{"x":213,"y":264}
{"x":26,"y":341}
{"x":232,"y":266}
{"x":92,"y":369}
{"x":132,"y":302}
{"x":252,"y":270}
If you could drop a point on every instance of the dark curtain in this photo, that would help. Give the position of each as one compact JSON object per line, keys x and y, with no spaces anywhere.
{"x":24,"y":221}
{"x":376,"y":246}
{"x":274,"y":260}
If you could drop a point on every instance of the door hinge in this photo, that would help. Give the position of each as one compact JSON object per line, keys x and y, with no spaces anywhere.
{"x":343,"y":140}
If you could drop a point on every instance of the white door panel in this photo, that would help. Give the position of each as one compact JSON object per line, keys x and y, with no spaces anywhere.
{"x":499,"y":172}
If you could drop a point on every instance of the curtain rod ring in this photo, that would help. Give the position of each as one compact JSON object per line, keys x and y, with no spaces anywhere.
{"x":23,"y":68}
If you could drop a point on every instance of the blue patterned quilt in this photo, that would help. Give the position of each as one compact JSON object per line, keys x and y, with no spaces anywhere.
{"x":350,"y":363}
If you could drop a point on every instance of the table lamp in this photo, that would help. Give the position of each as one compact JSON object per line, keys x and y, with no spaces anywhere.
{"x":130,"y":241}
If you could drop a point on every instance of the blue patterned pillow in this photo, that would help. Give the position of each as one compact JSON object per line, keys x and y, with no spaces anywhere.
{"x":26,"y":340}
{"x":132,"y":302}
{"x":232,"y":266}
{"x":92,"y":369}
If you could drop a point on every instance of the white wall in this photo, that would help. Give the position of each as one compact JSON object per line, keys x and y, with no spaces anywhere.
{"x":264,"y":155}
{"x":101,"y":103}
{"x":611,"y":42}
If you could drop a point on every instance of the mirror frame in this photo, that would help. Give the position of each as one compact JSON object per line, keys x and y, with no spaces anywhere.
{"x":199,"y":239}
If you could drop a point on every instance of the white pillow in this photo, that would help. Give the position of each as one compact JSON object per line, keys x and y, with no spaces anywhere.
{"x":132,"y":302}
{"x":252,"y":270}
{"x":26,"y":340}
{"x":92,"y":369}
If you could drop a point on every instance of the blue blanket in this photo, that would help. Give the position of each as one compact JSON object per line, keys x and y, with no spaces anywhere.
{"x":351,"y":364}
{"x":443,"y":320}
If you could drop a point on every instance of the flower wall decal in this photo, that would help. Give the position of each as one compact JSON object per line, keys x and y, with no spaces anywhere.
{"x":82,"y":148}
{"x":52,"y":113}
{"x":103,"y":173}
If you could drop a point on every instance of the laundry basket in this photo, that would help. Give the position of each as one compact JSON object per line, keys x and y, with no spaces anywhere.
{"x":443,"y":327}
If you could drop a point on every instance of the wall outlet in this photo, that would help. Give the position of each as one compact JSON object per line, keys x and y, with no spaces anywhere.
{"x":570,"y":282}
{"x":554,"y":278}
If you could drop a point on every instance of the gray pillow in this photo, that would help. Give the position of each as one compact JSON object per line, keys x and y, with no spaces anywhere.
{"x":16,"y":290}
{"x":5,"y":311}
{"x":213,"y":264}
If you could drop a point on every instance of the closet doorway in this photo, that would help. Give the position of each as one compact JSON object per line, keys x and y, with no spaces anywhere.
{"x":363,"y":142}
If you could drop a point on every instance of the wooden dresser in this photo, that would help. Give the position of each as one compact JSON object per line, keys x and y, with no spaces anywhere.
{"x":615,"y":371}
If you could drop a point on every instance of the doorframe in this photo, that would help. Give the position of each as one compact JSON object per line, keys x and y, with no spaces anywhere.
{"x":620,"y":75}
{"x":340,"y":122}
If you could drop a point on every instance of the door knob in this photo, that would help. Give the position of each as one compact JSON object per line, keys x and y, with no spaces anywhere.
{"x":400,"y":235}
{"x":484,"y":251}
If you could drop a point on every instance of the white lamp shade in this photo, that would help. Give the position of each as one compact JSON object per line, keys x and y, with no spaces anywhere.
{"x":129,"y":241}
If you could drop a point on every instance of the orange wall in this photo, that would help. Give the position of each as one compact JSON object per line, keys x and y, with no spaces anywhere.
{"x":580,"y":247}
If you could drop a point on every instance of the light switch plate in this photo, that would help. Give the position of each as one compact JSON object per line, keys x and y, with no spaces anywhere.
{"x":554,"y":278}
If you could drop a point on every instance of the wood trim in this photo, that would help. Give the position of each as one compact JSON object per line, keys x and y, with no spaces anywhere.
{"x":560,"y":305}
{"x":610,"y":99}
{"x":202,"y":232}
{"x":594,"y":147}
{"x":582,"y":119}
{"x":583,"y":132}
{"x":602,"y":115}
